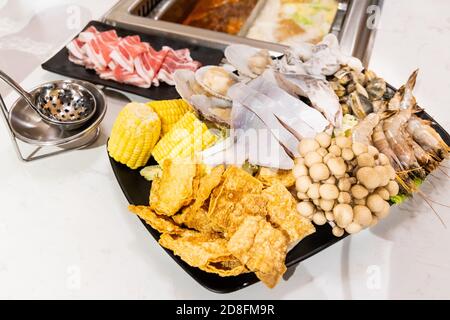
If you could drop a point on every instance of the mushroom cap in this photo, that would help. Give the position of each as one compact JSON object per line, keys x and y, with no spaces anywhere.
{"x":362,"y":215}
{"x":368,"y":177}
{"x":343,"y":214}
{"x":307,"y":145}
{"x":319,"y":172}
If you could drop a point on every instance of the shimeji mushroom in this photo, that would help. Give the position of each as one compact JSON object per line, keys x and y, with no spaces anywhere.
{"x":391,"y":172}
{"x":305,"y":208}
{"x":368,"y":177}
{"x":344,"y":197}
{"x":327,"y":157}
{"x":302,"y":196}
{"x":329,"y":215}
{"x":313,"y":191}
{"x":337,"y":232}
{"x":372,"y":151}
{"x":326,"y":205}
{"x":384,"y":212}
{"x":392,"y":188}
{"x":375,"y":203}
{"x":365,"y":160}
{"x":328,"y":191}
{"x":374,"y":221}
{"x":344,"y":184}
{"x":353,"y":228}
{"x":330,"y":180}
{"x":359,"y":192}
{"x":383,"y":193}
{"x":324,"y":139}
{"x":362,"y":215}
{"x":347,"y":184}
{"x":312,"y":158}
{"x":343,"y":214}
{"x":300,"y":170}
{"x":335,"y":150}
{"x":347,"y":154}
{"x":299,"y":160}
{"x":384,"y":175}
{"x":337,"y":166}
{"x":302,"y":183}
{"x":383,"y":159}
{"x":359,"y":148}
{"x":319,"y":218}
{"x":319,"y":171}
{"x":343,"y":142}
{"x":307,"y":145}
{"x":322,"y":151}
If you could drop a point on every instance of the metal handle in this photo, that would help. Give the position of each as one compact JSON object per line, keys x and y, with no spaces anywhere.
{"x":28,"y":98}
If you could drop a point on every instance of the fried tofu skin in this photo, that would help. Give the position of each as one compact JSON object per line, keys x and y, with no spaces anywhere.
{"x":194,"y":219}
{"x":261,"y":248}
{"x":227,"y":205}
{"x":207,"y":252}
{"x":195,"y":216}
{"x":282,"y":212}
{"x":175,"y":188}
{"x":269,"y":176}
{"x":160,"y":223}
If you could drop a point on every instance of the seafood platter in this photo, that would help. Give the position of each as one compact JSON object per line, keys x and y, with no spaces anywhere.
{"x":245,"y":161}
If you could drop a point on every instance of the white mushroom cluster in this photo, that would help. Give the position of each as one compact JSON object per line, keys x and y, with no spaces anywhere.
{"x":343,"y":183}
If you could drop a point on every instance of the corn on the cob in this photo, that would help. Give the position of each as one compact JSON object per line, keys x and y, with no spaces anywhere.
{"x":169,"y":111}
{"x":134,"y":134}
{"x":188,"y":136}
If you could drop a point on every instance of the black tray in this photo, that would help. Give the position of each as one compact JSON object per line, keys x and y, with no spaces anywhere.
{"x":137,"y":190}
{"x":60,"y":63}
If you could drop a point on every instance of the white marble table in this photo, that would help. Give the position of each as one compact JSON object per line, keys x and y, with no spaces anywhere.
{"x":65,"y":231}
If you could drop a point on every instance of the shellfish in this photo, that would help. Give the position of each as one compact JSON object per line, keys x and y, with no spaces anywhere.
{"x":215,"y":80}
{"x":209,"y":107}
{"x":248,"y":61}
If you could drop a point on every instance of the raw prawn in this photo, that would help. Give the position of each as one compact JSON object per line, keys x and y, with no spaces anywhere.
{"x":404,"y":98}
{"x":427,"y":138}
{"x":380,"y":142}
{"x":424,"y":159}
{"x":362,"y":132}
{"x":392,"y":127}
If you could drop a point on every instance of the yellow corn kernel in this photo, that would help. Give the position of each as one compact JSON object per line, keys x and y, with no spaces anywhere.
{"x":169,"y":111}
{"x":134,"y":134}
{"x":188,"y":136}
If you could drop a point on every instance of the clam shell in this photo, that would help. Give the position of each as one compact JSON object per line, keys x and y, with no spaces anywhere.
{"x":238,"y":55}
{"x":186,"y":85}
{"x":212,"y":108}
{"x":200,"y":74}
{"x":204,"y":104}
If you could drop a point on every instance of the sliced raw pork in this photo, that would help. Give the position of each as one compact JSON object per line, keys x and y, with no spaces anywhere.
{"x":128,"y":60}
{"x":175,"y":60}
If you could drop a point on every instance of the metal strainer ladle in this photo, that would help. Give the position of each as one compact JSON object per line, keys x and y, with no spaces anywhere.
{"x":62,"y":103}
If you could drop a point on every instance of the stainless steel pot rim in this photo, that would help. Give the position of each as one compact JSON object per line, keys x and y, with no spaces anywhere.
{"x":77,"y":134}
